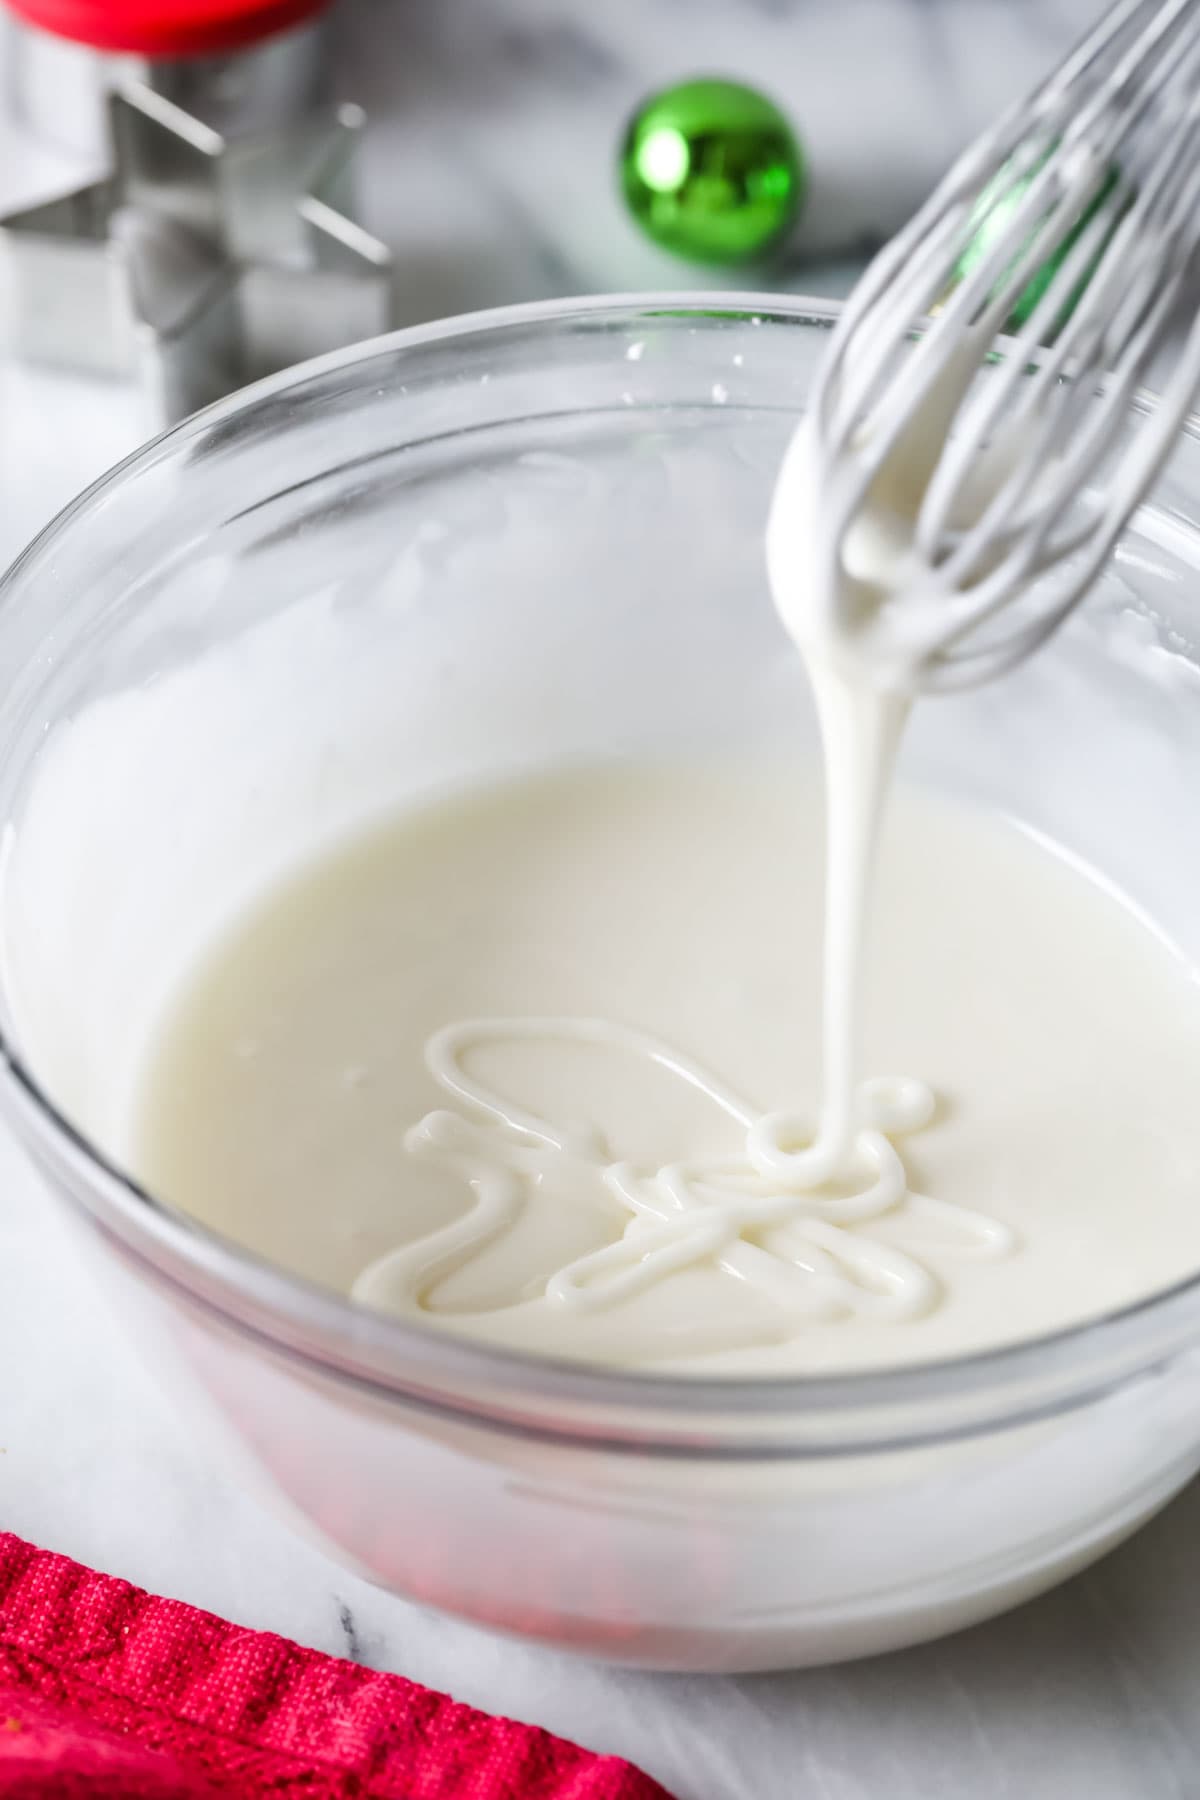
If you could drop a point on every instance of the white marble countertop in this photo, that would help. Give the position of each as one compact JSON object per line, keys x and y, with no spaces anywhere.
{"x":489,"y":169}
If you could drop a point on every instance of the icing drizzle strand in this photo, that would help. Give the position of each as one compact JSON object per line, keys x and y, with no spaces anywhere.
{"x":761,"y":1217}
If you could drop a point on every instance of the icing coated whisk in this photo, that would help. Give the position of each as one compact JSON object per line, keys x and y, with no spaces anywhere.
{"x":995,"y":446}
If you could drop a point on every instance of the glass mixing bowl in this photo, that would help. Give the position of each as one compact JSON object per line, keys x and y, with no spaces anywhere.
{"x":528,"y":537}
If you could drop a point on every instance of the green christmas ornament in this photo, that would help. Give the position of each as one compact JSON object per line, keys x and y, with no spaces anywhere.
{"x":990,"y":218}
{"x":712,"y":172}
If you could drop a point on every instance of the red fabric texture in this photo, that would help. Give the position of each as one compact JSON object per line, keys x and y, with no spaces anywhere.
{"x":167,"y":28}
{"x":107,"y":1691}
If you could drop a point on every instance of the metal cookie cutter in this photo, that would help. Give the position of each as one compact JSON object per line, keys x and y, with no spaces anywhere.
{"x":200,"y":262}
{"x":243,"y":66}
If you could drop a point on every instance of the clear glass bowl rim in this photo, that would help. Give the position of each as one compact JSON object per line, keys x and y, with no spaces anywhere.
{"x":432,"y":1368}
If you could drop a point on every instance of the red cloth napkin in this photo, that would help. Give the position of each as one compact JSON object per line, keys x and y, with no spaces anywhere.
{"x":109,"y":1691}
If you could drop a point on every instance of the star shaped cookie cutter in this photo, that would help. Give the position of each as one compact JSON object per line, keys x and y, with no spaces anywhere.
{"x":200,"y":262}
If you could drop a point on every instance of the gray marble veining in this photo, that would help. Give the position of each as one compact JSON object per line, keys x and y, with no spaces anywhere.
{"x":498,"y":124}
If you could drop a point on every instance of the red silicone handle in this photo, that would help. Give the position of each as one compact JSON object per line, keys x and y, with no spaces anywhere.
{"x":167,"y":28}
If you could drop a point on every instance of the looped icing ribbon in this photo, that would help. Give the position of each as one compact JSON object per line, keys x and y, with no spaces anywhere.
{"x":807,"y":1250}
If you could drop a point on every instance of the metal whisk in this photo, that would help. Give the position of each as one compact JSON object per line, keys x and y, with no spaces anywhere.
{"x":1079,"y":213}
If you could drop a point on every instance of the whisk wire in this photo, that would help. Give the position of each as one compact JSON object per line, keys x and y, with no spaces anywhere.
{"x":1081,"y":212}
